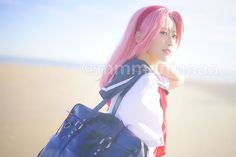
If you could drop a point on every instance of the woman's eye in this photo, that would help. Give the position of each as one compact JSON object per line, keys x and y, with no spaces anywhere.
{"x":163,"y":33}
{"x":174,"y":36}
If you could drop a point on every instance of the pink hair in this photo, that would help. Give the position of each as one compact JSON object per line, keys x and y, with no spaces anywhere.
{"x":147,"y":20}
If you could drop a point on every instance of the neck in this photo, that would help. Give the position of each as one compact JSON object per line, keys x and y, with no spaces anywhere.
{"x":148,"y":59}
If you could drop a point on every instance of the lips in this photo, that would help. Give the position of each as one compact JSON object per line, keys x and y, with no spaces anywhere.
{"x":167,"y":51}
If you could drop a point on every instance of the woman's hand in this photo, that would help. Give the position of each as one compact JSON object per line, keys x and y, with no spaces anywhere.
{"x":174,"y":77}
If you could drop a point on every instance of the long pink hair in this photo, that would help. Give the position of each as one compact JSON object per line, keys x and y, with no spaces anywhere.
{"x":147,"y":20}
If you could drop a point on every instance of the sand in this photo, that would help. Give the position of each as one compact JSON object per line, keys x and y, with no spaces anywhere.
{"x":34,"y":100}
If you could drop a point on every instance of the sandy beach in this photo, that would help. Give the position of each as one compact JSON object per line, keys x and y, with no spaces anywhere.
{"x":34,"y":100}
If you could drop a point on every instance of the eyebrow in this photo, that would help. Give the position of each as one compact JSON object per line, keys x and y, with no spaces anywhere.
{"x":167,"y":29}
{"x":163,"y":28}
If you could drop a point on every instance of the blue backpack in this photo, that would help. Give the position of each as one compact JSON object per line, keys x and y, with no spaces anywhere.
{"x":89,"y":133}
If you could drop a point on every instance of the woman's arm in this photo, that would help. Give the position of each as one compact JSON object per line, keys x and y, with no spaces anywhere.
{"x":175,"y":78}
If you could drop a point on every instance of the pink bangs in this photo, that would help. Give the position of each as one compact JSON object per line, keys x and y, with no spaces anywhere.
{"x":179,"y":24}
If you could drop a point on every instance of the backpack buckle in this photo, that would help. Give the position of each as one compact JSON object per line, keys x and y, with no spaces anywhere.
{"x":106,"y":142}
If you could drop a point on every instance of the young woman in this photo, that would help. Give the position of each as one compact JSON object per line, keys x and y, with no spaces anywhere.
{"x":150,"y":38}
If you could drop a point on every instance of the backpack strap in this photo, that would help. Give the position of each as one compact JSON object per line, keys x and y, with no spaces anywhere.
{"x":128,"y":85}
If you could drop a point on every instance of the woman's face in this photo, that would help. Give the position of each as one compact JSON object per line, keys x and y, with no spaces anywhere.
{"x":164,"y":42}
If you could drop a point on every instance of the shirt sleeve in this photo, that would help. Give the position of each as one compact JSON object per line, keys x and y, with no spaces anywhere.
{"x":141,"y":112}
{"x":163,"y":81}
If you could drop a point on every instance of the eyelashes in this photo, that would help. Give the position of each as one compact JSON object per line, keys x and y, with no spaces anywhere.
{"x":163,"y":33}
{"x":174,"y":36}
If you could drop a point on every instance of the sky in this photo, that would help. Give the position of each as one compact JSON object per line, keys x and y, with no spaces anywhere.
{"x":88,"y":31}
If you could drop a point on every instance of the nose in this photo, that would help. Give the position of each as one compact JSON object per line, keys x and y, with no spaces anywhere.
{"x":170,"y":40}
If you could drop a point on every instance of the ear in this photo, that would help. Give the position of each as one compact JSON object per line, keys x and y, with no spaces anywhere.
{"x":138,"y":35}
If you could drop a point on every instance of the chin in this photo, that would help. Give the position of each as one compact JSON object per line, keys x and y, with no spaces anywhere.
{"x":164,"y":59}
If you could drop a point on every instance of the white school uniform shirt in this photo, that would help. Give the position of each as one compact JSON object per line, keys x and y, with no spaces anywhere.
{"x":141,"y":111}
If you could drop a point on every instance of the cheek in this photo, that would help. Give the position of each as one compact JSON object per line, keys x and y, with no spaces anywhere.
{"x":156,"y":46}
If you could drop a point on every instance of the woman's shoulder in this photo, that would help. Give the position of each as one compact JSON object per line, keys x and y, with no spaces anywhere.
{"x":150,"y":78}
{"x":147,"y":81}
{"x":153,"y":81}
